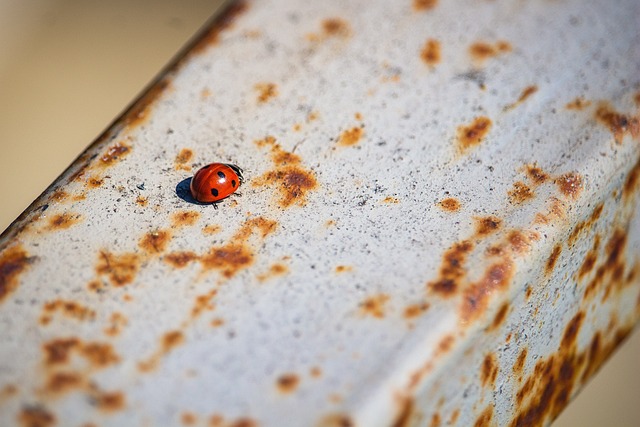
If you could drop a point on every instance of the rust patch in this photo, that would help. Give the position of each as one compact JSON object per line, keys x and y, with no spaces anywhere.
{"x":489,"y":370}
{"x":431,"y":52}
{"x":423,"y":5}
{"x":390,"y":200}
{"x":350,"y":136}
{"x":184,"y":156}
{"x":142,"y":201}
{"x":63,"y":382}
{"x":180,"y":259}
{"x":94,"y":181}
{"x":519,"y":242}
{"x":520,"y":193}
{"x":520,"y":361}
{"x":97,"y":354}
{"x":275,"y":270}
{"x":618,"y":124}
{"x":526,"y":93}
{"x":119,"y":269}
{"x":451,"y":270}
{"x":336,"y":420}
{"x":63,"y":221}
{"x":570,"y":184}
{"x":59,"y":196}
{"x":155,"y":242}
{"x":476,"y":296}
{"x":500,"y":316}
{"x":222,"y":22}
{"x":292,"y":181}
{"x":184,"y":218}
{"x":454,"y":417}
{"x":168,"y":343}
{"x":343,"y":268}
{"x":336,"y":27}
{"x":106,"y":401}
{"x":114,"y":153}
{"x":36,"y":416}
{"x":485,"y":418}
{"x":266,"y":91}
{"x":288,"y":383}
{"x":481,"y":51}
{"x":217,"y":322}
{"x":415,"y":310}
{"x":444,"y":345}
{"x":211,"y":229}
{"x":631,"y":183}
{"x":188,"y":418}
{"x":374,"y":306}
{"x":585,"y":225}
{"x":535,"y":174}
{"x":528,"y":292}
{"x":471,"y":135}
{"x":553,"y":258}
{"x":203,"y":303}
{"x":578,"y":104}
{"x":117,"y":322}
{"x":590,"y":259}
{"x":406,"y":410}
{"x":598,"y":353}
{"x":67,"y":308}
{"x":13,"y":262}
{"x":6,"y":392}
{"x":487,"y":225}
{"x":450,"y":204}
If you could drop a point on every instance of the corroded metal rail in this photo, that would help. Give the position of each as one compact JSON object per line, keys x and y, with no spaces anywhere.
{"x":439,"y":225}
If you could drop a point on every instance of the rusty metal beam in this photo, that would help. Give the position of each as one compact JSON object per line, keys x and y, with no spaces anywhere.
{"x":439,"y":225}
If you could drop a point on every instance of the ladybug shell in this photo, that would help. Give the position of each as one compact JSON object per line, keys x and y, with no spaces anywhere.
{"x":215,"y":182}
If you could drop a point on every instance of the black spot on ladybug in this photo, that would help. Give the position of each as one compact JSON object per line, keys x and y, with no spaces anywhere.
{"x":233,"y":183}
{"x":214,"y":192}
{"x":221,"y":175}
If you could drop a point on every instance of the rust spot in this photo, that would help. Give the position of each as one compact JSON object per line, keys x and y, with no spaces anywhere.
{"x":578,"y":104}
{"x":114,"y":153}
{"x":489,"y":371}
{"x":571,"y":331}
{"x":94,"y":181}
{"x":553,"y":258}
{"x":631,"y":182}
{"x":315,"y":372}
{"x":63,"y":221}
{"x":142,"y":201}
{"x":430,"y":52}
{"x":351,"y":136}
{"x":180,"y":259}
{"x":203,"y":303}
{"x":184,"y":218}
{"x":287,"y":383}
{"x":343,"y":268}
{"x":415,"y":310}
{"x":63,"y":382}
{"x":336,"y":420}
{"x":374,"y":306}
{"x":292,"y":181}
{"x":336,"y":27}
{"x":7,"y":391}
{"x":221,"y":23}
{"x":275,"y":270}
{"x":476,"y":296}
{"x":422,"y":5}
{"x":119,"y":269}
{"x":188,"y":418}
{"x":99,"y":355}
{"x":500,"y":316}
{"x":59,"y":195}
{"x":451,"y":270}
{"x":590,"y":259}
{"x":518,"y":241}
{"x":450,"y":204}
{"x":67,"y":308}
{"x":520,"y":361}
{"x":107,"y":401}
{"x":36,"y":416}
{"x":217,"y":322}
{"x":570,"y":184}
{"x":527,"y":292}
{"x":535,"y":174}
{"x":471,"y":135}
{"x":487,"y":225}
{"x":406,"y":410}
{"x":58,"y":350}
{"x":485,"y":418}
{"x":117,"y":322}
{"x":526,"y":93}
{"x":13,"y":262}
{"x":155,"y":242}
{"x":266,"y":91}
{"x":520,"y":193}
{"x":390,"y":200}
{"x":211,"y":229}
{"x":184,"y":156}
{"x":481,"y":51}
{"x":454,"y":417}
{"x":168,"y":342}
{"x":445,"y":345}
{"x":230,"y":259}
{"x":617,"y":123}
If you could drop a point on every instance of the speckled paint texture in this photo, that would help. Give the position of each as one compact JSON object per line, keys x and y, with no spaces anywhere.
{"x":438,"y":225}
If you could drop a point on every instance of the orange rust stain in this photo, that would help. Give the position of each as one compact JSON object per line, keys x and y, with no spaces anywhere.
{"x":222,"y":22}
{"x":7,"y":391}
{"x":184,"y":218}
{"x":315,"y":372}
{"x":59,"y":195}
{"x":67,"y":308}
{"x":288,"y":383}
{"x":292,"y":181}
{"x":454,"y":417}
{"x":142,"y":201}
{"x":94,"y":181}
{"x":526,"y":93}
{"x":211,"y":229}
{"x":336,"y":420}
{"x":519,"y":242}
{"x":570,"y":184}
{"x":578,"y":104}
{"x":63,"y":221}
{"x":117,"y":322}
{"x":520,"y":361}
{"x":487,"y":225}
{"x":618,"y":124}
{"x":63,"y":382}
{"x":184,"y":156}
{"x":336,"y":27}
{"x":374,"y":306}
{"x":58,"y":351}
{"x":485,"y":418}
{"x":296,"y":127}
{"x":350,"y":136}
{"x":528,"y":292}
{"x":598,"y":352}
{"x":631,"y":183}
{"x":155,"y":242}
{"x":217,"y":322}
{"x":489,"y":370}
{"x":415,"y":310}
{"x":13,"y":262}
{"x":444,"y":346}
{"x":119,"y":269}
{"x":585,"y":225}
{"x":636,"y":98}
{"x":203,"y":303}
{"x":590,"y":259}
{"x":107,"y":401}
{"x":405,"y":414}
{"x":553,"y":258}
{"x":180,"y":259}
{"x":114,"y":153}
{"x":471,"y":135}
{"x":99,"y":355}
{"x":450,"y":204}
{"x":36,"y":416}
{"x":476,"y":296}
{"x":422,"y":5}
{"x":431,"y":52}
{"x":451,"y":269}
{"x":168,"y":343}
{"x":188,"y":418}
{"x":520,"y":193}
{"x":390,"y":200}
{"x":500,"y":316}
{"x":481,"y":51}
{"x":535,"y":174}
{"x":205,"y":93}
{"x":275,"y":270}
{"x":358,"y":116}
{"x":343,"y":268}
{"x":266,"y":91}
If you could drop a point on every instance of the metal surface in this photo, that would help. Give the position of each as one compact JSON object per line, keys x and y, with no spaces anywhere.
{"x":439,"y":226}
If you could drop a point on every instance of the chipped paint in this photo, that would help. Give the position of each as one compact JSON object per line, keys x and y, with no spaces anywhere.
{"x":425,"y":188}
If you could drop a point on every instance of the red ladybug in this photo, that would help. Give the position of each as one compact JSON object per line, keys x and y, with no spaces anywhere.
{"x":215,"y":182}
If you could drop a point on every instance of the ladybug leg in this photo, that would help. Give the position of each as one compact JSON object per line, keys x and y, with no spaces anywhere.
{"x":215,"y":206}
{"x":237,"y":194}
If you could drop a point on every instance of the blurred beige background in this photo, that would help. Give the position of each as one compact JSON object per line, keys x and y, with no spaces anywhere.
{"x":67,"y":68}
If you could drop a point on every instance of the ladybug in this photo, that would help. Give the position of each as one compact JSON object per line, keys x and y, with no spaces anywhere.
{"x":216,"y":181}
